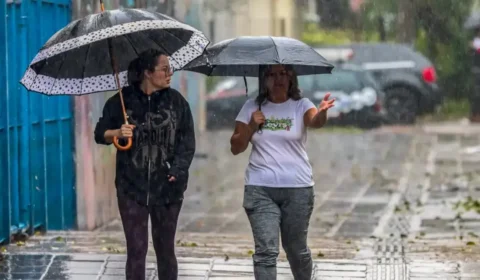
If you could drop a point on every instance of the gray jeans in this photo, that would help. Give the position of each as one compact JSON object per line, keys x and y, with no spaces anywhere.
{"x":280,"y":210}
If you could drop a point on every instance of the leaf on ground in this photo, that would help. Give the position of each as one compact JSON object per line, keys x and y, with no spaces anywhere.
{"x":20,"y":243}
{"x":250,"y":252}
{"x":473,"y":234}
{"x":471,"y":243}
{"x":320,"y":254}
{"x":59,"y":239}
{"x":113,"y":250}
{"x":187,"y":244}
{"x":419,"y":203}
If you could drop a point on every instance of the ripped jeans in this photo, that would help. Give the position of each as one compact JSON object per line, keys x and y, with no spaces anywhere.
{"x":280,"y":210}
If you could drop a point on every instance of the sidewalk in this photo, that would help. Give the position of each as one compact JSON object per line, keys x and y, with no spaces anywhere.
{"x":400,"y":204}
{"x":94,"y":266}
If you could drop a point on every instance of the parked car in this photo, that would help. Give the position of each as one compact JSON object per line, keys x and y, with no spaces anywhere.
{"x":232,"y":86}
{"x":408,"y":78}
{"x":226,"y":99}
{"x":359,"y":99}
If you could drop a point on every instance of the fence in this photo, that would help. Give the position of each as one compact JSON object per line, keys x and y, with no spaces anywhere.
{"x":36,"y":155}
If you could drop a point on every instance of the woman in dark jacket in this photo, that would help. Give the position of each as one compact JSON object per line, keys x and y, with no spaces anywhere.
{"x":152,"y":175}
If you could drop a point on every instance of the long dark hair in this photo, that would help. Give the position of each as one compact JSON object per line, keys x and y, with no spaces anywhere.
{"x":293,"y":90}
{"x":146,"y":60}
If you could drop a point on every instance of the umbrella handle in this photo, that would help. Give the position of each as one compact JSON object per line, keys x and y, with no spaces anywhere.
{"x":120,"y":147}
{"x":125,"y":117}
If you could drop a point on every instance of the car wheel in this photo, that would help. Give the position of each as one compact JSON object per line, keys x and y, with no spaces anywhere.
{"x":401,"y":105}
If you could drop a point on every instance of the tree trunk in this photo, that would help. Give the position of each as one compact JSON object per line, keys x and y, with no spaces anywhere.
{"x":406,"y":22}
{"x":381,"y":29}
{"x":299,"y":6}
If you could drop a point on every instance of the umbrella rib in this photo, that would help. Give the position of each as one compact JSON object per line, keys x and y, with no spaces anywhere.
{"x":186,"y":43}
{"x":85,"y":66}
{"x":58,"y":71}
{"x":275,"y":45}
{"x":160,"y":46}
{"x":127,"y":36}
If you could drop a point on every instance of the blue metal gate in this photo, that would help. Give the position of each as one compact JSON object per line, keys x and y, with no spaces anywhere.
{"x":36,"y":150}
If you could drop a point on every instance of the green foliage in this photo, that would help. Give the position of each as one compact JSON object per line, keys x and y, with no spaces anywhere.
{"x":440,"y":36}
{"x":313,"y":35}
{"x":451,"y":109}
{"x":211,"y":82}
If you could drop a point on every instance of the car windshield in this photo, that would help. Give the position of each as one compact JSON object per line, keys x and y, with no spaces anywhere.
{"x":339,"y":80}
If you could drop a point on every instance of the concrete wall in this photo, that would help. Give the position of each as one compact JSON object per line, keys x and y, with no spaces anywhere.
{"x":96,"y":196}
{"x":251,"y":18}
{"x":95,"y":164}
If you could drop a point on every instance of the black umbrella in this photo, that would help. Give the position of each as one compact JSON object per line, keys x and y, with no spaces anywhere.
{"x":78,"y":58}
{"x":93,"y":54}
{"x":242,"y":56}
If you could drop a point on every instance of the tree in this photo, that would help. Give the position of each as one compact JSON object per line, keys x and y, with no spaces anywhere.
{"x":333,"y":13}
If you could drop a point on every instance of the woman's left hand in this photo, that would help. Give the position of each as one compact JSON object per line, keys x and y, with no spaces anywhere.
{"x":326,"y":104}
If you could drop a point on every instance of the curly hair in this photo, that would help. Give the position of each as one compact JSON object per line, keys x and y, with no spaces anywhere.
{"x":293,"y":90}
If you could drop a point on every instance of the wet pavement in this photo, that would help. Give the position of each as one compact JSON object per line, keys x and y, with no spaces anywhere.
{"x":86,"y":267}
{"x":393,"y":203}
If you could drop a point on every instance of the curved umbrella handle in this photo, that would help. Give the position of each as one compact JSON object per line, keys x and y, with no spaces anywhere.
{"x":120,"y":147}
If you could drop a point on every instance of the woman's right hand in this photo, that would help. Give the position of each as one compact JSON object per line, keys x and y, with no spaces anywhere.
{"x":126,"y":131}
{"x":256,"y":120}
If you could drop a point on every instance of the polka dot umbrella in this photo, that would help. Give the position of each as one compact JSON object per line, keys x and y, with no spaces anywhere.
{"x":92,"y":54}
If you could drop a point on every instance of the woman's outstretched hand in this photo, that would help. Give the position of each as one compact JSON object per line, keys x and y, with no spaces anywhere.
{"x":326,"y":104}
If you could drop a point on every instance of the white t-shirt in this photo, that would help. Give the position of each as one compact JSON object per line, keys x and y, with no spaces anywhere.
{"x":279,"y":158}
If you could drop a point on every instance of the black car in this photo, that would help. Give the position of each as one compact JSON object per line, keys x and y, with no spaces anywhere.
{"x":359,"y":99}
{"x":407,"y":77}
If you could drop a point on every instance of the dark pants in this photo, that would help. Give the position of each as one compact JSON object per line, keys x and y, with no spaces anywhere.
{"x":280,"y":210}
{"x":164,"y":225}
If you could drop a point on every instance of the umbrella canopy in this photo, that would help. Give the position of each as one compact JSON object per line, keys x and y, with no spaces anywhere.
{"x":78,"y":58}
{"x":242,"y":56}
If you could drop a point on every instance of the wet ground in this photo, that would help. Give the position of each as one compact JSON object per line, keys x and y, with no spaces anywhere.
{"x":394,"y":203}
{"x":86,"y":267}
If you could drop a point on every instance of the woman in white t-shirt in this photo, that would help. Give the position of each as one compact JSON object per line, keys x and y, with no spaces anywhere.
{"x":279,"y":193}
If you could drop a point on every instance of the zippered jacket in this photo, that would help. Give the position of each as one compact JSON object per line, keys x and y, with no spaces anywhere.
{"x":163,"y":144}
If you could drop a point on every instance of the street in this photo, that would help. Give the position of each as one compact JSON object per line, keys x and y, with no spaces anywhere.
{"x":390,"y":204}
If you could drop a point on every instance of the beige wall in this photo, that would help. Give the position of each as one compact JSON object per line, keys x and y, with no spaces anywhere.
{"x":95,"y":164}
{"x":254,"y":18}
{"x":285,"y":13}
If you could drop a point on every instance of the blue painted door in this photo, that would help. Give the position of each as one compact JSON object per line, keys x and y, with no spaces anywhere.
{"x":36,"y":154}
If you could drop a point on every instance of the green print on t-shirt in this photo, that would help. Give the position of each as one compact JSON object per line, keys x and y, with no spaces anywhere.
{"x":278,"y":124}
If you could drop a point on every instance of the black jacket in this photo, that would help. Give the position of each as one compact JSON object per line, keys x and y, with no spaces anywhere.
{"x":163,"y":144}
